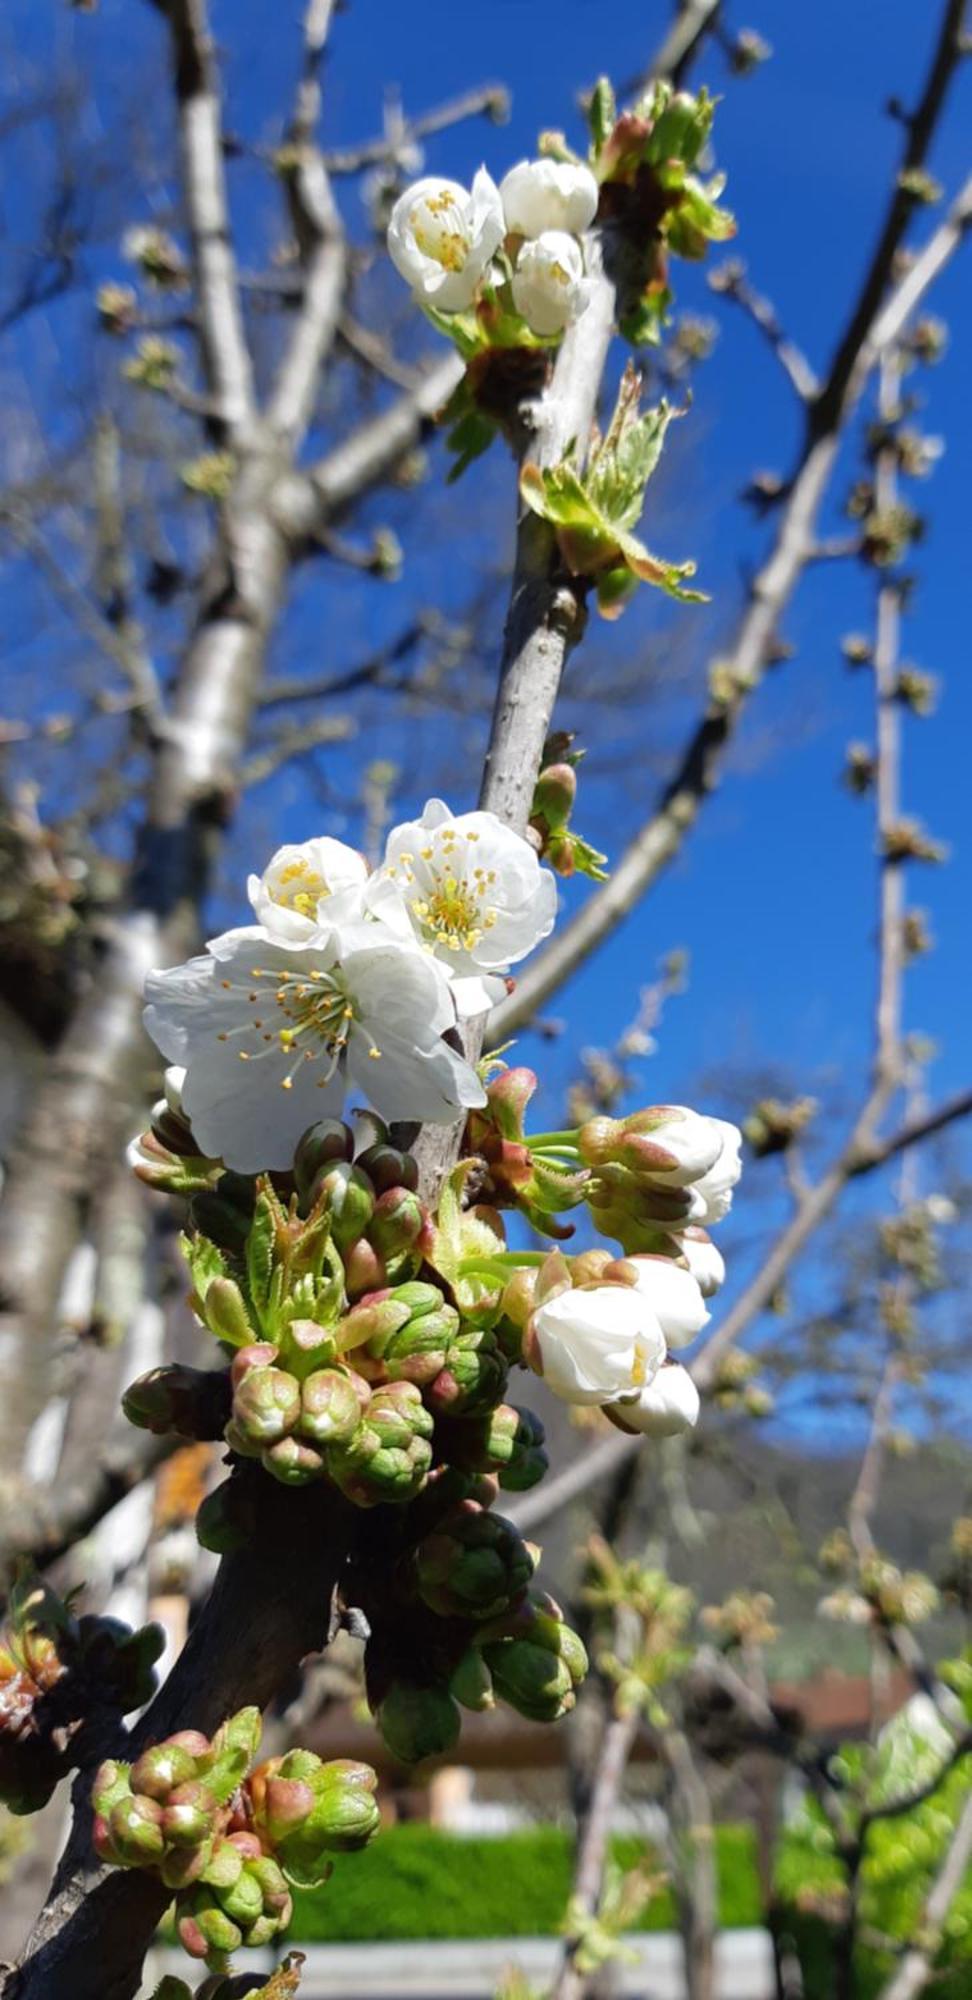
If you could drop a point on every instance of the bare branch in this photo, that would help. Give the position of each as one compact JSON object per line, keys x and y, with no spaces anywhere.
{"x":730,"y":283}
{"x":320,"y":235}
{"x":226,"y":357}
{"x":489,"y":100}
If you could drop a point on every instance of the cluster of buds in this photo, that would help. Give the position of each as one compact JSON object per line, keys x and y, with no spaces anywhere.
{"x":555,"y":793}
{"x":875,"y":1591}
{"x":745,"y":1619}
{"x":231,"y":1841}
{"x":773,"y":1125}
{"x":57,"y":1673}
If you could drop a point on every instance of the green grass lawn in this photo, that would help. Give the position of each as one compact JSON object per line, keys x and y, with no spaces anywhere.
{"x":417,"y":1882}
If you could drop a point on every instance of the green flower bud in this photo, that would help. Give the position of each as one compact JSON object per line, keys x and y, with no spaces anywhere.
{"x":306,"y":1346}
{"x":226,"y":1314}
{"x":189,"y":1815}
{"x":135,"y":1830}
{"x":244,"y":1901}
{"x":388,"y":1169}
{"x":161,"y":1770}
{"x":472,"y":1682}
{"x":112,"y":1783}
{"x":349,"y":1198}
{"x":228,"y":1756}
{"x":473,"y":1379}
{"x":204,"y":1927}
{"x":532,"y":1680}
{"x":418,"y":1722}
{"x":266,"y":1406}
{"x":554,"y":796}
{"x":225,"y":1866}
{"x":372,"y":1324}
{"x":475,"y":1565}
{"x":364,"y":1270}
{"x":293,"y":1462}
{"x":320,"y":1146}
{"x":390,"y":1454}
{"x":182,"y":1866}
{"x":330,"y":1411}
{"x":554,"y":1636}
{"x":507,"y":1440}
{"x":397,"y":1223}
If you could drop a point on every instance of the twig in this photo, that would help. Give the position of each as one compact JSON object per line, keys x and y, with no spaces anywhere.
{"x":301,"y":740}
{"x":732,"y":284}
{"x":616,"y":1748}
{"x":320,"y":235}
{"x":490,"y":100}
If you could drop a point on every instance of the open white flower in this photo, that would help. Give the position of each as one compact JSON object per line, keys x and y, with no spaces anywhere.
{"x":549,"y":287}
{"x":713,"y":1189}
{"x":441,"y":238}
{"x":473,"y":893}
{"x":596,"y":1345}
{"x":549,"y":194}
{"x":674,"y":1297}
{"x":318,"y":882}
{"x":705,"y":1262}
{"x":271,"y":1034}
{"x":667,"y":1405}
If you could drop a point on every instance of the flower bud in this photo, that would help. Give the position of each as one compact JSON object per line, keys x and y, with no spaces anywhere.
{"x":388,"y":1169}
{"x":135,"y":1831}
{"x":473,"y":1379}
{"x":705,"y":1263}
{"x":292,"y":1462}
{"x":674,"y":1296}
{"x":397,"y":1223}
{"x":189,"y":1814}
{"x":320,"y":1146}
{"x":474,"y":1565}
{"x":506,"y":1440}
{"x":418,"y":1722}
{"x":162,"y":1769}
{"x":204,"y":1927}
{"x":389,"y":1456}
{"x":191,"y":1402}
{"x":266,"y":1406}
{"x":472,"y":1682}
{"x":533,"y":1680}
{"x":667,"y":1405}
{"x":330,"y":1411}
{"x":349,"y":1198}
{"x":539,"y":195}
{"x":554,"y":797}
{"x":364,"y":1270}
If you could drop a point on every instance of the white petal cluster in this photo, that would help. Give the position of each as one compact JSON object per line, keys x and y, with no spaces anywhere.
{"x":347,"y":981}
{"x":471,"y":892}
{"x":443,"y":238}
{"x":611,"y":1343}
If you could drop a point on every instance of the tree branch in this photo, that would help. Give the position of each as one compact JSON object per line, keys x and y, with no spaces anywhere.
{"x":661,"y":837}
{"x":916,"y":1966}
{"x":226,"y":356}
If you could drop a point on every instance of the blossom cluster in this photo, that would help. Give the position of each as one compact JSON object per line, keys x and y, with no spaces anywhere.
{"x":523,"y":238}
{"x":349,"y":979}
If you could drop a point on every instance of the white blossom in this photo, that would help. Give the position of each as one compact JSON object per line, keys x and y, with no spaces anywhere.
{"x":270,"y":1035}
{"x":668,"y":1404}
{"x":318,"y":882}
{"x":442,"y":237}
{"x":674,"y":1296}
{"x":597,"y":1344}
{"x":684,"y":1144}
{"x":472,"y":892}
{"x":705,"y":1261}
{"x":713,"y":1189}
{"x":549,"y":287}
{"x":549,"y":194}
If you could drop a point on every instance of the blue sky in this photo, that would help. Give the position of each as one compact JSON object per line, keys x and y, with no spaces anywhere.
{"x":774,"y":894}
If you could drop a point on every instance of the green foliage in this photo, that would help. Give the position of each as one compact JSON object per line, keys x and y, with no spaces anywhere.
{"x":416,"y":1882}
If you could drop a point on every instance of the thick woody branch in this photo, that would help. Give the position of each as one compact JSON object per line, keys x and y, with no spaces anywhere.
{"x":320,"y":235}
{"x":226,"y":357}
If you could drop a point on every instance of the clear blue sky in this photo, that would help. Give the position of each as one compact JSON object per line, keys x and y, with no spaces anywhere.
{"x":774,"y":893}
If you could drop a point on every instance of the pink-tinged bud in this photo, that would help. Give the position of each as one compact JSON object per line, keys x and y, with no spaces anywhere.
{"x":182,"y":1866}
{"x":206,"y":1927}
{"x":159,"y":1770}
{"x":135,"y":1831}
{"x":308,"y":1345}
{"x":189,"y":1402}
{"x":589,"y":1267}
{"x":330,"y":1411}
{"x":101,"y":1839}
{"x":225,"y":1867}
{"x":364,"y":1270}
{"x":189,"y":1815}
{"x":397,"y":1223}
{"x":518,"y":1297}
{"x":287,"y":1804}
{"x":192,"y":1740}
{"x":259,"y":1355}
{"x":266,"y":1406}
{"x":293,"y":1462}
{"x":509,"y":1095}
